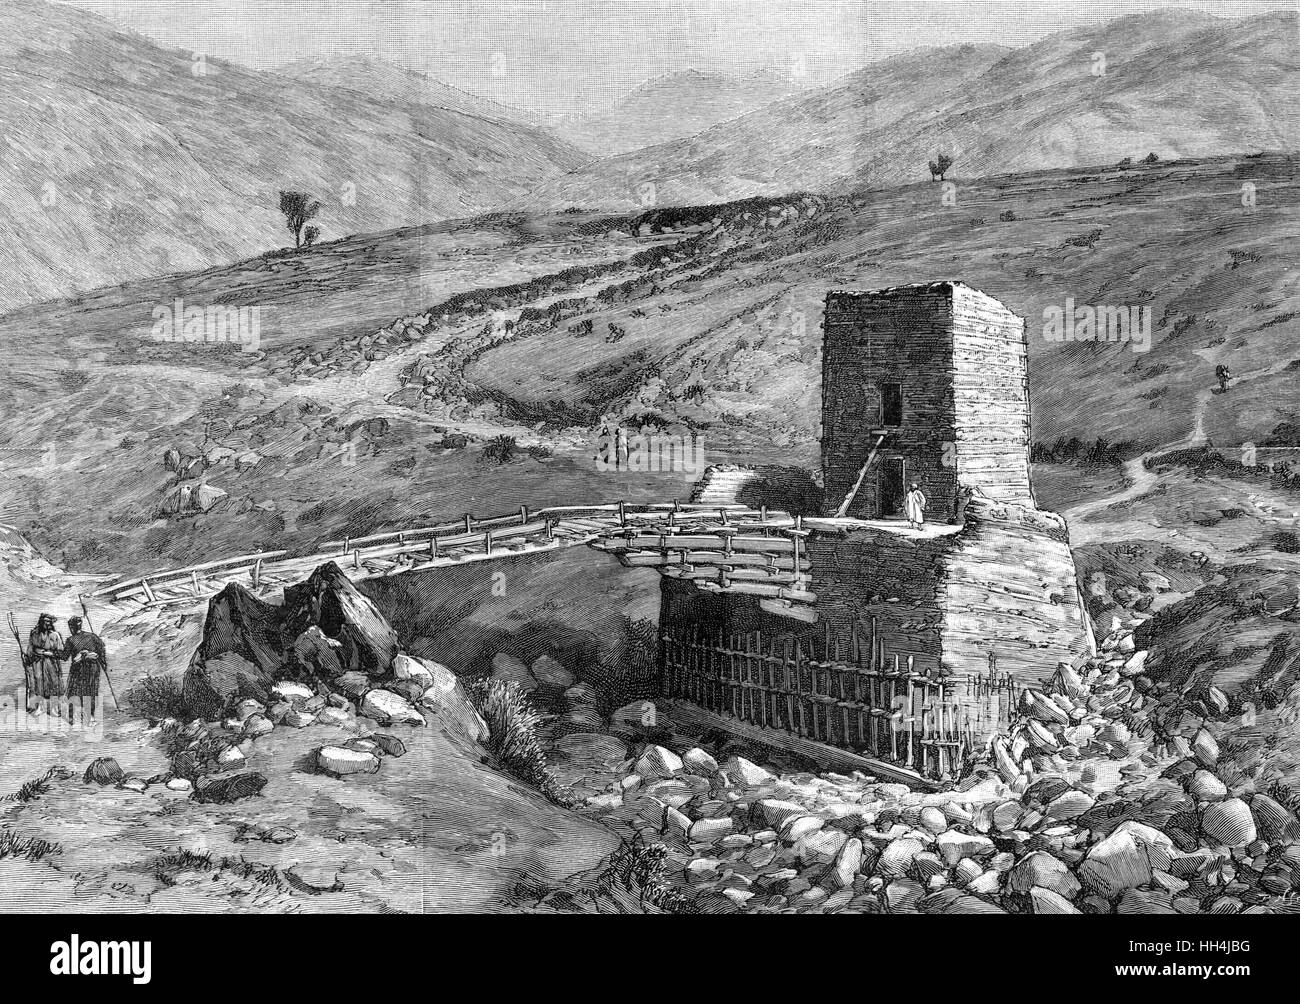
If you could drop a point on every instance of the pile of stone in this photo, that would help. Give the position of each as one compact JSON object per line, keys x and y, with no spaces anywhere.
{"x":1108,"y":794}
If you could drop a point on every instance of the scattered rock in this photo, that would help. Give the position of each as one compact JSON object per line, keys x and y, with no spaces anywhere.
{"x":697,"y":761}
{"x":507,"y":668}
{"x":1046,"y":901}
{"x":657,"y":762}
{"x":257,"y":724}
{"x":747,"y":773}
{"x":341,"y":761}
{"x":1229,"y":823}
{"x":1044,"y":871}
{"x":103,"y":771}
{"x":551,"y":673}
{"x":227,"y":788}
{"x":391,"y":745}
{"x":388,"y":708}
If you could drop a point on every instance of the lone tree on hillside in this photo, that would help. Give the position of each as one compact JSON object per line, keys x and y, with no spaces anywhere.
{"x":1152,"y":158}
{"x":298,"y":208}
{"x":939,"y":167}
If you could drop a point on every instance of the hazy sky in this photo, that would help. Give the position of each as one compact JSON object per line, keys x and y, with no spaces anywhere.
{"x":574,"y":55}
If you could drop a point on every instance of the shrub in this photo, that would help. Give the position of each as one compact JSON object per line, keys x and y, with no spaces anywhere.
{"x":501,"y":449}
{"x":512,"y":735}
{"x":1151,"y":158}
{"x":73,"y":380}
{"x":1125,"y":164}
{"x":38,"y":786}
{"x":455,"y":441}
{"x":156,"y":698}
{"x":639,"y":868}
{"x":31,"y":848}
{"x":1007,"y":216}
{"x":540,"y":452}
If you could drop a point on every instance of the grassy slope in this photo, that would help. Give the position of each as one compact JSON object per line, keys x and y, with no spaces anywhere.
{"x":721,"y":335}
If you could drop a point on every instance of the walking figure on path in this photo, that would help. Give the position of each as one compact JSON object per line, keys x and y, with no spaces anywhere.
{"x":87,"y":659}
{"x":44,"y":670}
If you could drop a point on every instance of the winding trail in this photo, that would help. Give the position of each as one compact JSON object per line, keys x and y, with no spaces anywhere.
{"x":1140,"y":479}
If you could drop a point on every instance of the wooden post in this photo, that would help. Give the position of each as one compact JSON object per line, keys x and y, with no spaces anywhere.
{"x":347,"y":544}
{"x":550,"y":530}
{"x":148,"y":592}
{"x":523,"y":515}
{"x":433,"y":546}
{"x":468,"y":523}
{"x":356,"y":558}
{"x":257,"y":573}
{"x":622,"y":513}
{"x":487,"y":542}
{"x":762,"y":513}
{"x":194,"y":582}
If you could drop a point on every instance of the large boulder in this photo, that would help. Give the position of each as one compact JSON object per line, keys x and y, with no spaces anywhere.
{"x":329,"y":600}
{"x":210,"y":686}
{"x":449,"y":704}
{"x":1125,"y":859}
{"x":240,"y":654}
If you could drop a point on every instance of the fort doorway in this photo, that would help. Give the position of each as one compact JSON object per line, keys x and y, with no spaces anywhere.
{"x":892,"y":479}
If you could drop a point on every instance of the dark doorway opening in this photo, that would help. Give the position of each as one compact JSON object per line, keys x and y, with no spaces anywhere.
{"x":891,"y":486}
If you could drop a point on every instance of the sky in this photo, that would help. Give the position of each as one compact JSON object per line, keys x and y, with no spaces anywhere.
{"x":571,"y":56}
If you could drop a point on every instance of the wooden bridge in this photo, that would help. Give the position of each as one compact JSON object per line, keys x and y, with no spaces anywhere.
{"x":727,"y":547}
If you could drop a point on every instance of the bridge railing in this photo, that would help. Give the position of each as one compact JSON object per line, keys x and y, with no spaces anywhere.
{"x":469,"y":531}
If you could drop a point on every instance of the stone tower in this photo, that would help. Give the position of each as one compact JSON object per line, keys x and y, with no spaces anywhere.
{"x":932,"y":378}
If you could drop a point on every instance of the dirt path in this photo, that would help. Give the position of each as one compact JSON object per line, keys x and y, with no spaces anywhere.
{"x":1140,"y":479}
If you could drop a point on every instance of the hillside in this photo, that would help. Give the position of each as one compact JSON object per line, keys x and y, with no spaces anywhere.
{"x":543,"y":327}
{"x":124,"y":159}
{"x":1178,"y":83}
{"x":383,"y":80}
{"x":673,"y":106}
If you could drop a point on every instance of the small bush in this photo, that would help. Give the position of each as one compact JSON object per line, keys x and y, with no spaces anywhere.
{"x":1007,"y":216}
{"x":501,"y":448}
{"x":1152,"y":158}
{"x":156,"y":698}
{"x":1125,"y":164}
{"x":73,"y":380}
{"x":31,"y":848}
{"x":639,"y":868}
{"x":455,"y":441}
{"x":38,"y":786}
{"x":540,"y":452}
{"x":512,"y":735}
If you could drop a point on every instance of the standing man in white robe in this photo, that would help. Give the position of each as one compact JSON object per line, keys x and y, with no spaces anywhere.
{"x":914,"y":505}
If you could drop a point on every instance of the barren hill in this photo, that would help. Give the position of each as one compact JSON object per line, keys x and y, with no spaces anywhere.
{"x":1177,"y":83}
{"x":124,"y":159}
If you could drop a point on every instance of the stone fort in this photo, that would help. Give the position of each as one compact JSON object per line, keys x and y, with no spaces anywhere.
{"x":903,"y":644}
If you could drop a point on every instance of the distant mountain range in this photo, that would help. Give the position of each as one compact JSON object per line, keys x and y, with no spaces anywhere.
{"x":1176,"y":83}
{"x":120,"y":159}
{"x":673,"y":106}
{"x":384,"y":80}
